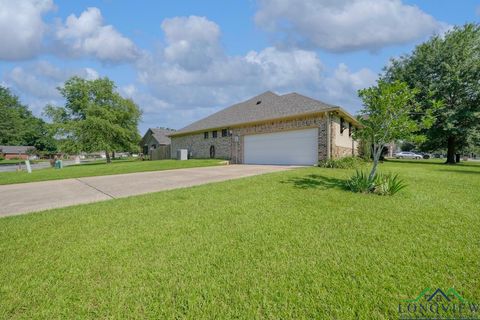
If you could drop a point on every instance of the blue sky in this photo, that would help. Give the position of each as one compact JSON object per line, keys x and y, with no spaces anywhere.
{"x":182,"y":60}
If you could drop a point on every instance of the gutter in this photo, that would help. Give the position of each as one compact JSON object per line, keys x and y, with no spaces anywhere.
{"x":329,"y":135}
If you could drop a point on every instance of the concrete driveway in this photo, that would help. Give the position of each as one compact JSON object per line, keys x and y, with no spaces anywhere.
{"x":36,"y":196}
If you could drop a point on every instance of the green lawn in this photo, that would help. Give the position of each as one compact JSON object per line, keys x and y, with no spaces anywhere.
{"x":289,"y":245}
{"x":100,"y":168}
{"x":9,"y":162}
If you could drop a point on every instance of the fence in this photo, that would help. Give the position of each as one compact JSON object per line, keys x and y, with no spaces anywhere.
{"x":160,"y":153}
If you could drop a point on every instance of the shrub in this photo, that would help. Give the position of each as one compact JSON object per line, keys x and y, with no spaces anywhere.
{"x":360,"y":182}
{"x":388,"y":184}
{"x":342,"y":163}
{"x":2,"y":158}
{"x":381,"y":184}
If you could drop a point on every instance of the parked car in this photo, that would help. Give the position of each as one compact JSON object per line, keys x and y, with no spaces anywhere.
{"x":425,"y":155}
{"x":408,"y":155}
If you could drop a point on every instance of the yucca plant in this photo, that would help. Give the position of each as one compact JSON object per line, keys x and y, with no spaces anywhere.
{"x":381,"y":184}
{"x":360,"y":182}
{"x":388,"y":184}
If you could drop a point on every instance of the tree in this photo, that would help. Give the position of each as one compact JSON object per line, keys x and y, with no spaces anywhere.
{"x":447,"y":69}
{"x":386,"y":117}
{"x":95,"y":117}
{"x":407,"y":146}
{"x":18,"y":126}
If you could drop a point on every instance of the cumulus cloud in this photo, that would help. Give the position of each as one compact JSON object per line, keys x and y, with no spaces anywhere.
{"x":157,"y":112}
{"x":191,"y":76}
{"x":37,"y":83}
{"x":23,"y":28}
{"x":285,"y":69}
{"x":32,"y":84}
{"x":231,"y":78}
{"x":345,"y":25}
{"x":341,"y":87}
{"x":87,"y":35}
{"x":193,"y":42}
{"x":175,"y":92}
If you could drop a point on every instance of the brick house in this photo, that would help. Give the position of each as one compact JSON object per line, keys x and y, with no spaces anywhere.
{"x":16,"y":152}
{"x":271,"y":129}
{"x":156,"y":143}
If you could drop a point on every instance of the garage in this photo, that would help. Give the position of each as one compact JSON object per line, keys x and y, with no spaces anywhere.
{"x":297,"y":147}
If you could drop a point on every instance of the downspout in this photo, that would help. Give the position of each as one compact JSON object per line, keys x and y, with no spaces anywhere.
{"x":329,"y":134}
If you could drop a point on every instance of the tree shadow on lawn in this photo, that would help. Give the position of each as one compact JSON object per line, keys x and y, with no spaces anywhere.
{"x":103,"y":161}
{"x":424,"y":161}
{"x":460,"y":171}
{"x":314,"y":181}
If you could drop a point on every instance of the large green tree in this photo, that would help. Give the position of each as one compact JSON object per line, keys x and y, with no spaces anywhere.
{"x":386,"y":116}
{"x":95,"y":117}
{"x":446,"y":68}
{"x":18,"y":126}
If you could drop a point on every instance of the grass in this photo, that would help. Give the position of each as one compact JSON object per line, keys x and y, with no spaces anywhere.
{"x":9,"y":162}
{"x":100,"y":168}
{"x":289,"y":245}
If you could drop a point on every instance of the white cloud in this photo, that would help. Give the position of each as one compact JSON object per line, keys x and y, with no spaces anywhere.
{"x":23,"y":28}
{"x":37,"y":83}
{"x":345,"y":25}
{"x":29,"y":82}
{"x":87,"y":35}
{"x":191,"y":76}
{"x":286,"y":69}
{"x":193,"y":42}
{"x":176,"y":93}
{"x":341,"y":87}
{"x":231,"y":78}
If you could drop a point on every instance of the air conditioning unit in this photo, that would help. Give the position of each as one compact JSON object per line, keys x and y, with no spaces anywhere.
{"x":182,"y":154}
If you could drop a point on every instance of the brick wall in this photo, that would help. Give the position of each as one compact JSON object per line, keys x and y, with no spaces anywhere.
{"x":199,"y":147}
{"x":10,"y":156}
{"x":232,"y":147}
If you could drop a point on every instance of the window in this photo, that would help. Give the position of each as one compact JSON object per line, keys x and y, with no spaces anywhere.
{"x":224,"y":132}
{"x":342,"y":125}
{"x":205,"y":135}
{"x":214,"y":134}
{"x":350,"y":128}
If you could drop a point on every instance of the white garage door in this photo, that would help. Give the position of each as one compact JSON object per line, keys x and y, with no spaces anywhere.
{"x":299,"y":147}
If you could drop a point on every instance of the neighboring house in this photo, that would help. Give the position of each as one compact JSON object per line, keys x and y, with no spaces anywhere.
{"x":17,"y":152}
{"x":156,"y":143}
{"x":271,"y":129}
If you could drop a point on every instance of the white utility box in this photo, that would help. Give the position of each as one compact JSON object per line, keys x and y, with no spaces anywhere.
{"x":182,"y":154}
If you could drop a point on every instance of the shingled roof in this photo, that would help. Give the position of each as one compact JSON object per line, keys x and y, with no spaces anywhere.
{"x":16,"y":149}
{"x":265,"y":106}
{"x":161,"y":134}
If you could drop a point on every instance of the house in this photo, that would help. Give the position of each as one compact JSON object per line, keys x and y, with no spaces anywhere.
{"x":289,"y":129}
{"x":156,"y":143}
{"x":17,"y":152}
